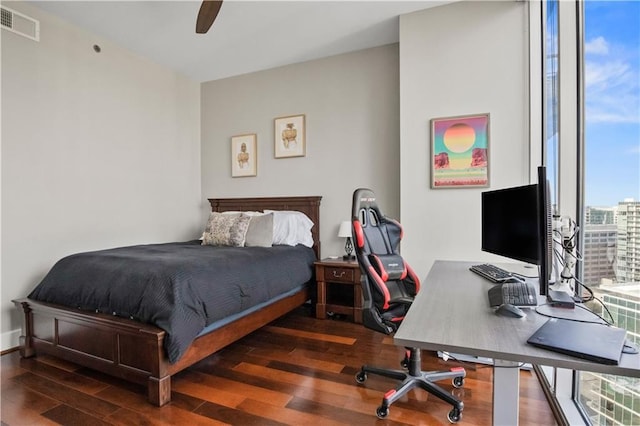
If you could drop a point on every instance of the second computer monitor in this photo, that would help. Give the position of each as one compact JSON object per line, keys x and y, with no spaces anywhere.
{"x":510,"y":223}
{"x":516,"y":223}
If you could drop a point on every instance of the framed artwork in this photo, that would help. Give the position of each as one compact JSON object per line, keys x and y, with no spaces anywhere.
{"x":460,"y":151}
{"x":290,"y":140}
{"x":244,"y":155}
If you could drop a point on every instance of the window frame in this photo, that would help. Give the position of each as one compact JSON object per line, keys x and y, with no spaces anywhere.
{"x":562,"y":383}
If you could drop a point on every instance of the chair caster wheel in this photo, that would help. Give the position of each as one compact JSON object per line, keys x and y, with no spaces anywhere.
{"x":382,"y":412}
{"x":458,"y":382}
{"x":361,"y":377}
{"x":454,"y":415}
{"x":405,"y":361}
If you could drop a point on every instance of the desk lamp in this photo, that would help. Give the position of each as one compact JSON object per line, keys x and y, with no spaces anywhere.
{"x":345,"y":232}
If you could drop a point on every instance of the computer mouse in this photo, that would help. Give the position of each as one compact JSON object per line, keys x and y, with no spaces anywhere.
{"x":508,"y":310}
{"x":630,"y":347}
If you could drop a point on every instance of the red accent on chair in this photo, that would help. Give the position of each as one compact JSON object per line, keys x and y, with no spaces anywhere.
{"x":357,"y":228}
{"x":389,"y":393}
{"x":413,"y":275}
{"x":385,"y":275}
{"x":383,"y":288}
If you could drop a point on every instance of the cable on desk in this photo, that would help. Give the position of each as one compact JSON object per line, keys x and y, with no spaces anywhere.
{"x":574,"y":319}
{"x":519,"y":278}
{"x":572,"y":241}
{"x":591,"y":296}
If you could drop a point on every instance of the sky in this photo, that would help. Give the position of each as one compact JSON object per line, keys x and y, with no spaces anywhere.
{"x":612,"y":95}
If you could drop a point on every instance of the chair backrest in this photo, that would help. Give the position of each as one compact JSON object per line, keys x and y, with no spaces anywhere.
{"x":389,"y":284}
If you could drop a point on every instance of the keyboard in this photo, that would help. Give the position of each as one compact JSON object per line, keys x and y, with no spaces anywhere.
{"x":514,"y":293}
{"x":492,"y":273}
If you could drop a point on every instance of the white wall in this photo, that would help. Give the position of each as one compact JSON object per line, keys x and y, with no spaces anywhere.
{"x":98,"y":150}
{"x":351,"y":103}
{"x":463,"y":58}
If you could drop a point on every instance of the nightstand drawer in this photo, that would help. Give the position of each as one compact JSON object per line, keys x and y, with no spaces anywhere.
{"x":337,"y":274}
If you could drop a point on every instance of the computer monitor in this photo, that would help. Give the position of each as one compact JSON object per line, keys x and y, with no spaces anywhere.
{"x":516,"y":223}
{"x":545,"y":222}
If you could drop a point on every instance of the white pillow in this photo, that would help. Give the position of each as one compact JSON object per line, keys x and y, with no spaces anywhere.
{"x":291,"y":228}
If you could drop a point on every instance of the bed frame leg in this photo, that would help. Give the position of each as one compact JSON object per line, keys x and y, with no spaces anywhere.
{"x":159,"y":390}
{"x":26,"y":350}
{"x":26,"y":347}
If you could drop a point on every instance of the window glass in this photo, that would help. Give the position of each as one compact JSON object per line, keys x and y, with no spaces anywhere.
{"x":611,"y":70}
{"x":551,"y":97}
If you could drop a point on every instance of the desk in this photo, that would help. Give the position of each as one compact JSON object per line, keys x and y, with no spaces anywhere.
{"x":451,"y":313}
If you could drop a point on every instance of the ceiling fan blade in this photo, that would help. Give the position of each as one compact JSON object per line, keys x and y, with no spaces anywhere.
{"x":207,"y":14}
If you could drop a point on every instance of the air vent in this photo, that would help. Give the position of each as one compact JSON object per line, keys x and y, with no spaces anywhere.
{"x":21,"y":24}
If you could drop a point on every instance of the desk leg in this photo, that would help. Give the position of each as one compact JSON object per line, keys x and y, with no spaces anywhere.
{"x":506,"y":388}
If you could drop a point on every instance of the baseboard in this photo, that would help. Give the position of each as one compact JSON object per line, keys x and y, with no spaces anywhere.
{"x":9,"y":340}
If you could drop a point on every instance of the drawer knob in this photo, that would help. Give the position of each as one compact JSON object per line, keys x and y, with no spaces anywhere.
{"x":336,"y":275}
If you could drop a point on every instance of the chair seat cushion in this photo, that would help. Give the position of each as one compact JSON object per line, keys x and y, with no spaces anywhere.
{"x":405,"y":300}
{"x":395,"y":314}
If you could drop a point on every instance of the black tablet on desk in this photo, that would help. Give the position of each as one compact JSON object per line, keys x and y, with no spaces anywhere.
{"x":594,"y":342}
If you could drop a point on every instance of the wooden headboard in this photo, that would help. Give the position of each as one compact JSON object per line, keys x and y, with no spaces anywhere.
{"x":307,"y":205}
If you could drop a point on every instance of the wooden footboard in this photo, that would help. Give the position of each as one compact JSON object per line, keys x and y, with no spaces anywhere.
{"x":120,"y":347}
{"x":128,"y":349}
{"x":134,"y":351}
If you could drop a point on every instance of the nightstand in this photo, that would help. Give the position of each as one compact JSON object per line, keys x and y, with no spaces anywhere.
{"x":339,"y":288}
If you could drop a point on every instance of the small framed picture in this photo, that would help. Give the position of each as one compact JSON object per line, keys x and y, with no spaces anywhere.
{"x":460,"y":151}
{"x":244,"y":155}
{"x":290,"y":140}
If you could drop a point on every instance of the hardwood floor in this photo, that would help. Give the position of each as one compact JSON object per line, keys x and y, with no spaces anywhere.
{"x":298,"y":370}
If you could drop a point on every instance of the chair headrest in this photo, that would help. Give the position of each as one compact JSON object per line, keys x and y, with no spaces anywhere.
{"x":364,"y":199}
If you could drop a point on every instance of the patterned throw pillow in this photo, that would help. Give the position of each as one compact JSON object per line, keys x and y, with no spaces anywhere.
{"x":226,"y":230}
{"x":238,"y":231}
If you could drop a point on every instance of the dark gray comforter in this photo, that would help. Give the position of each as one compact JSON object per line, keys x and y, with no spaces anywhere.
{"x":179,"y":287}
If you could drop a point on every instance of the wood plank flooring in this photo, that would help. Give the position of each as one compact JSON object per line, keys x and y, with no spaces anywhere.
{"x":298,"y":370}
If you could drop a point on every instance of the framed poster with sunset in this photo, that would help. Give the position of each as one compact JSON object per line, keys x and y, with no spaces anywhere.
{"x":460,"y":151}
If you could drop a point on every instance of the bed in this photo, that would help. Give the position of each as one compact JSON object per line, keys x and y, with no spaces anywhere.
{"x":134,"y":351}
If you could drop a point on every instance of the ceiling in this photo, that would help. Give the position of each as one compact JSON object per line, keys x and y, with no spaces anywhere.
{"x":247,"y":36}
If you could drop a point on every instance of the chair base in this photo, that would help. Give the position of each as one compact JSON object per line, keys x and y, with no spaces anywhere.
{"x":414,"y":378}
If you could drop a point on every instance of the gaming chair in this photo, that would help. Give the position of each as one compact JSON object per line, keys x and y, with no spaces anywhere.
{"x":388,"y":287}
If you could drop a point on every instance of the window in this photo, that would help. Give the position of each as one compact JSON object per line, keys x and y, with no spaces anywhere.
{"x":598,"y":170}
{"x":551,"y":97}
{"x":611,"y":69}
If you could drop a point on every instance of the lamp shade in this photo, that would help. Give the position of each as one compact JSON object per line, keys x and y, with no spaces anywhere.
{"x":345,"y":229}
